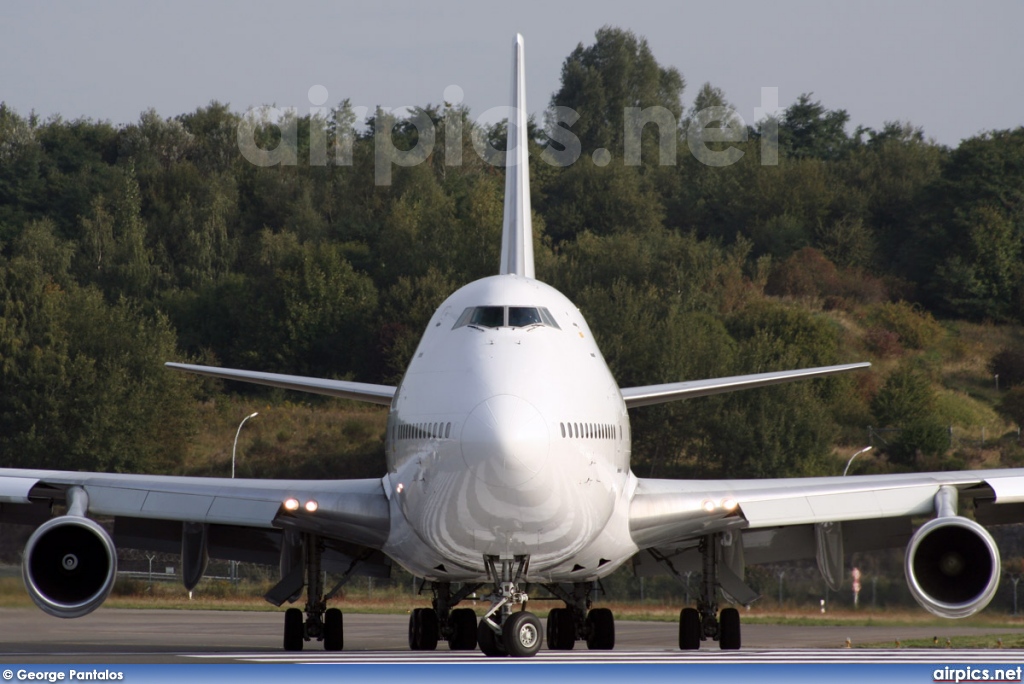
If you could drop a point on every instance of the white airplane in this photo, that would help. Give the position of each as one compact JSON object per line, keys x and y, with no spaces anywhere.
{"x":508,"y":466}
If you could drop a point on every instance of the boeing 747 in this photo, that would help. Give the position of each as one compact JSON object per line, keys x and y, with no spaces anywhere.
{"x":508,"y":471}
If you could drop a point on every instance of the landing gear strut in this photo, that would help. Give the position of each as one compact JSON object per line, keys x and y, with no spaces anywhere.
{"x":458,"y":627}
{"x":578,"y":621}
{"x":704,"y":622}
{"x":502,"y":632}
{"x":321,"y":623}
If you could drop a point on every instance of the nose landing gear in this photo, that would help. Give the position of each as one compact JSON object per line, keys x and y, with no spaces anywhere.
{"x":502,"y":632}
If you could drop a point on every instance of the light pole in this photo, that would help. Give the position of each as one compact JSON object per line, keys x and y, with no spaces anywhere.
{"x":235,"y":447}
{"x":847,"y":468}
{"x":1015,"y":579}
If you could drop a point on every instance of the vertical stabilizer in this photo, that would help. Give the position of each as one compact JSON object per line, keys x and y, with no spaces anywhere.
{"x":517,"y":230}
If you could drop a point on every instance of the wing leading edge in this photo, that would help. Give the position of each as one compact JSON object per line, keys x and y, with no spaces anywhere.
{"x":355,"y":511}
{"x":649,"y":395}
{"x":344,"y":389}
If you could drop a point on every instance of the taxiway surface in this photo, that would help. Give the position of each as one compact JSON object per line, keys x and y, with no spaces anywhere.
{"x":166,"y":636}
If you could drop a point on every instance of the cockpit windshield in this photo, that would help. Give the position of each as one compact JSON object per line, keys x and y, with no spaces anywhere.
{"x":488,"y":316}
{"x":506,"y":317}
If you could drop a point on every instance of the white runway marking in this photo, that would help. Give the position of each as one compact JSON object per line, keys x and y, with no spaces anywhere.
{"x":796,"y":656}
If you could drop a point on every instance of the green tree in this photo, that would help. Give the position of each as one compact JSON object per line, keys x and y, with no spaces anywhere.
{"x":602,"y":80}
{"x":907,"y":401}
{"x":807,"y":129}
{"x":84,"y":385}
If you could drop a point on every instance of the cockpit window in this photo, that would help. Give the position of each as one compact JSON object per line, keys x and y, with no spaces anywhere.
{"x":506,"y":316}
{"x":522,"y":316}
{"x":548,"y":319}
{"x":488,"y":316}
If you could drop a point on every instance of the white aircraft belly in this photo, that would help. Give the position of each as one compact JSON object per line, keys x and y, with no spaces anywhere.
{"x":568,"y":518}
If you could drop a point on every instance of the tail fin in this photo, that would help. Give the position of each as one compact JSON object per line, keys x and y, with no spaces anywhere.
{"x":517,"y":229}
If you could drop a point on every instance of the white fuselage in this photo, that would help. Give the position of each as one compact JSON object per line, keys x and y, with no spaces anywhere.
{"x":508,"y":437}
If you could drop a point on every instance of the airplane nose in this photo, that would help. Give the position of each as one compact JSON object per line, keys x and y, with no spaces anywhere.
{"x":505,"y":441}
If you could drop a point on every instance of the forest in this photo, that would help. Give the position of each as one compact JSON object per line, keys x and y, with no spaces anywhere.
{"x":122,"y":247}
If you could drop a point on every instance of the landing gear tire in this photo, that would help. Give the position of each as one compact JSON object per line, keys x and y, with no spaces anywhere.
{"x":463,"y":622}
{"x":601,"y":630}
{"x":729,"y":626}
{"x":521,"y":634}
{"x":334,"y":630}
{"x":689,"y":629}
{"x":294,"y":630}
{"x":561,"y":630}
{"x":490,"y":644}
{"x":423,"y":630}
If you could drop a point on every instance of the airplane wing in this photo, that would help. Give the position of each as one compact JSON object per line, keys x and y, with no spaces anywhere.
{"x":674,"y":391}
{"x":664,"y":512}
{"x":776,"y":520}
{"x":352,"y":510}
{"x":360,"y":391}
{"x":261,"y":521}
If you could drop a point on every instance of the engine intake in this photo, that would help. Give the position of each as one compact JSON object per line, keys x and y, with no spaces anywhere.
{"x":69,"y":566}
{"x":952,"y":567}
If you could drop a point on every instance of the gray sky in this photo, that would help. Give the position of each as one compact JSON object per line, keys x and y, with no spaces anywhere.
{"x":953,"y":68}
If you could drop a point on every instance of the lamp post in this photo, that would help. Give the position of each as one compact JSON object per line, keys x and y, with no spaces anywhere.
{"x":1015,"y":579}
{"x":847,"y":468}
{"x":235,"y":447}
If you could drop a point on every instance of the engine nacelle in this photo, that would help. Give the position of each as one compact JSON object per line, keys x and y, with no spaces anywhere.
{"x":69,"y":566}
{"x":952,"y":567}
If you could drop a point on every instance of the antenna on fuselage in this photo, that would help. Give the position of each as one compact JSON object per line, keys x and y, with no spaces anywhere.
{"x":517,"y":229}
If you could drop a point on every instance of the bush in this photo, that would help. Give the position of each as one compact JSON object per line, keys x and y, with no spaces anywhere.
{"x":883,"y":343}
{"x":1008,"y":364}
{"x":1011,"y":406}
{"x":916,"y":328}
{"x":809,"y":273}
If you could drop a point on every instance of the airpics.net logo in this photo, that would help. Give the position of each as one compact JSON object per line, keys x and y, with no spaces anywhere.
{"x":971,"y":675}
{"x":709,"y":134}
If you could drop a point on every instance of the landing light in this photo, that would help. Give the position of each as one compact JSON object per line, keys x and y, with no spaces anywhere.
{"x":729,"y":504}
{"x":708,"y":505}
{"x":291,"y":504}
{"x":400,"y":487}
{"x":311,"y":506}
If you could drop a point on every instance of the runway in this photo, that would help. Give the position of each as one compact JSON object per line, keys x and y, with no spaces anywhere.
{"x":110,"y":636}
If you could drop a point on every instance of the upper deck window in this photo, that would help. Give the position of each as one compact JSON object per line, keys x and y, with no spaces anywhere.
{"x":506,"y":317}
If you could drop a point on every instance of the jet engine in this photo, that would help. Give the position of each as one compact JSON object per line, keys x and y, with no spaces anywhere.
{"x":69,"y":566}
{"x":952,"y":566}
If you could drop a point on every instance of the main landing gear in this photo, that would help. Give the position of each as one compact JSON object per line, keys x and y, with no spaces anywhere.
{"x":427,"y":626}
{"x":518,"y":634}
{"x":578,"y":621}
{"x":503,"y":632}
{"x":321,"y":623}
{"x":704,"y":622}
{"x":500,"y":632}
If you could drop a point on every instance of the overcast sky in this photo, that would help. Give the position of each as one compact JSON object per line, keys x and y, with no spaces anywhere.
{"x":953,"y":68}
